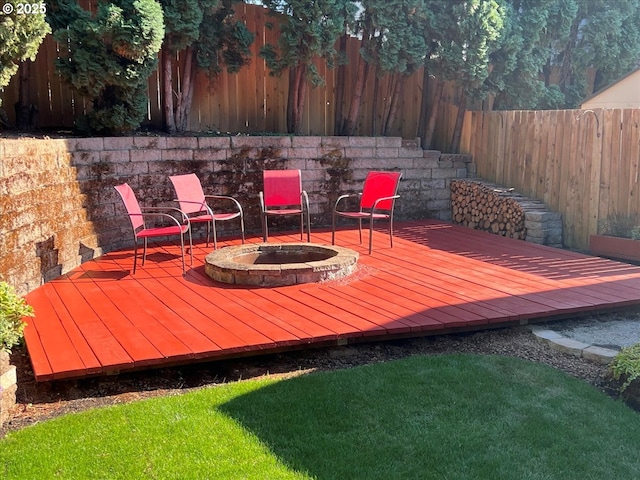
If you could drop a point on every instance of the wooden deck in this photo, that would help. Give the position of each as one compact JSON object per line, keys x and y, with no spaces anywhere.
{"x":438,"y":278}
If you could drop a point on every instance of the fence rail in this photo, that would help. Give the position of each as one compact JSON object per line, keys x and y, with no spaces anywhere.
{"x":582,"y":163}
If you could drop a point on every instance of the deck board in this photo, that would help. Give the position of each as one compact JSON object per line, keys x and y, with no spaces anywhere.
{"x":438,"y":278}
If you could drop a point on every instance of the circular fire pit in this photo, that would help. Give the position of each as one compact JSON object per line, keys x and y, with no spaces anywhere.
{"x":273,"y":265}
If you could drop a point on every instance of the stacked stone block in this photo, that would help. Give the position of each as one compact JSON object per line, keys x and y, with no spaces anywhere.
{"x":543,"y":226}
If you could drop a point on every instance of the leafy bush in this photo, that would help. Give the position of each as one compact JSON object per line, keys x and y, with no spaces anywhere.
{"x":12,"y":310}
{"x":626,"y":366}
{"x":635,"y":233}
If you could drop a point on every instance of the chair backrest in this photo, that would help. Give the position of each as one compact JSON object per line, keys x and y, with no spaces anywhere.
{"x":282,"y":187}
{"x":131,"y":204}
{"x":189,"y":193}
{"x":379,"y":185}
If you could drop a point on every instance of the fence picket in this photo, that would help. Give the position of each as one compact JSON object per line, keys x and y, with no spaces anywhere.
{"x":583,"y":164}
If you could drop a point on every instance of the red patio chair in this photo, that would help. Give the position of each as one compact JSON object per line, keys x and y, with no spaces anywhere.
{"x":376,"y":202}
{"x":193,"y":202}
{"x":137,"y":216}
{"x":283,"y":195}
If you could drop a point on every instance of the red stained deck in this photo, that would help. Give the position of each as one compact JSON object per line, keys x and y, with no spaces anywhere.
{"x":437,"y":278}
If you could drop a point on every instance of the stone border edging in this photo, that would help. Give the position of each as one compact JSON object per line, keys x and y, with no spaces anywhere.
{"x":572,"y":347}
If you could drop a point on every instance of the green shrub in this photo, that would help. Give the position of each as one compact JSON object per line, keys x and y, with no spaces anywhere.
{"x":626,"y":366}
{"x":635,"y":233}
{"x":12,"y":310}
{"x":107,"y":57}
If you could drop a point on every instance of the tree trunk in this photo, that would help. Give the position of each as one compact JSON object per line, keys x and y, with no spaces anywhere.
{"x":427,"y":138}
{"x":351,"y":121}
{"x":291,"y":98}
{"x":339,"y":89}
{"x":167,"y":89}
{"x":457,"y":131}
{"x":297,"y":94}
{"x":394,"y":103}
{"x":186,"y":92}
{"x":302,"y":98}
{"x":424,"y":105}
{"x":176,"y":111}
{"x":565,"y":75}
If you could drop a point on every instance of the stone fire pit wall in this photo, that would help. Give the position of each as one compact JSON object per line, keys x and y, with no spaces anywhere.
{"x":58,"y":207}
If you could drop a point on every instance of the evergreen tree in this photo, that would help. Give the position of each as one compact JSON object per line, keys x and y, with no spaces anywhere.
{"x":20,"y":38}
{"x":562,"y":41}
{"x":538,"y":28}
{"x":604,"y":37}
{"x":469,"y":33}
{"x":111,"y":54}
{"x":309,"y":29}
{"x":392,"y":43}
{"x":467,"y":58}
{"x":206,"y":35}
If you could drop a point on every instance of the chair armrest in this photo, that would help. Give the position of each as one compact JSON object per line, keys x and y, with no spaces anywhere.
{"x":342,"y":197}
{"x":304,"y":197}
{"x":184,"y":216}
{"x":227,"y":198}
{"x":183,"y":201}
{"x":382,"y":199}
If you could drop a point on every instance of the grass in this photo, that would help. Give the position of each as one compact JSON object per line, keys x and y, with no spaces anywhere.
{"x":438,"y":417}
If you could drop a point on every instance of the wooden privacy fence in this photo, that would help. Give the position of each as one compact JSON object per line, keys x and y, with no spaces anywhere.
{"x":251,"y":101}
{"x":581,"y":163}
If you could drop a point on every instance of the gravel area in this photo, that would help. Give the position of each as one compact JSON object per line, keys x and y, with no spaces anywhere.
{"x":613,"y":331}
{"x":37,"y":402}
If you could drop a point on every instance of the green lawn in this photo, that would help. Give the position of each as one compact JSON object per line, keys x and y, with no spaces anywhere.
{"x":441,"y":417}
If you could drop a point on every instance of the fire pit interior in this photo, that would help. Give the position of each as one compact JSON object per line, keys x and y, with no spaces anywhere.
{"x":271,"y":265}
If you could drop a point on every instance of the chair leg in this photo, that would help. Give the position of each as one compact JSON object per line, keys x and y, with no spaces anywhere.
{"x":391,"y":231}
{"x":191,"y":245}
{"x":215,"y":236}
{"x":242,"y":226}
{"x":370,"y":234}
{"x":184,"y":270}
{"x":333,"y":228}
{"x":301,"y":226}
{"x":144,"y":251}
{"x":135,"y":255}
{"x":265,"y":229}
{"x":360,"y":229}
{"x":208,"y":231}
{"x":308,"y":228}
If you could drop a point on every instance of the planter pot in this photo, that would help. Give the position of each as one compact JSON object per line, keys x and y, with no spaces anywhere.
{"x":8,"y":387}
{"x":615,"y":247}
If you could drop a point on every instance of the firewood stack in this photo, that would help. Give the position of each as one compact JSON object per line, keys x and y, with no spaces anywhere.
{"x":487,"y":207}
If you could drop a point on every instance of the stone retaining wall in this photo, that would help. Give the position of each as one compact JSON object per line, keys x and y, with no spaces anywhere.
{"x":58,"y":207}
